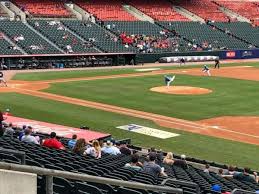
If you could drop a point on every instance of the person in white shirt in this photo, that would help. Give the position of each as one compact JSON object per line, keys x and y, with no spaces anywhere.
{"x":110,"y":149}
{"x":28,"y":138}
{"x":95,"y":150}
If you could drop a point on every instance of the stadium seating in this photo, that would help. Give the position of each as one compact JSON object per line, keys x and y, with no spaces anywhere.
{"x":109,"y":166}
{"x":244,"y":8}
{"x":103,"y":38}
{"x":145,"y":28}
{"x":242,"y":30}
{"x":205,"y":9}
{"x":5,"y":48}
{"x":31,"y":39}
{"x":59,"y":35}
{"x":106,"y":10}
{"x":201,"y":33}
{"x":46,"y":8}
{"x":159,"y":10}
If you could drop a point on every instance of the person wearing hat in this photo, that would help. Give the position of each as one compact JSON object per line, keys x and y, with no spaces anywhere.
{"x":216,"y":188}
{"x":110,"y":149}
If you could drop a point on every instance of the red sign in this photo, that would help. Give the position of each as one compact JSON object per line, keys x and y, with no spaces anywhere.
{"x":231,"y":54}
{"x":63,"y":131}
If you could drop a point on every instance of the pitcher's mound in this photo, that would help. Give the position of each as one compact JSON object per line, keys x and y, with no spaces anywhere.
{"x":184,"y":90}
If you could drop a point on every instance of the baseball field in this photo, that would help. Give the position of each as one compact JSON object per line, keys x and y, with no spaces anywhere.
{"x":221,"y":125}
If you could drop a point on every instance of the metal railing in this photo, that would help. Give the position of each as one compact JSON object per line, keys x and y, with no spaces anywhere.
{"x":240,"y":191}
{"x":49,"y":173}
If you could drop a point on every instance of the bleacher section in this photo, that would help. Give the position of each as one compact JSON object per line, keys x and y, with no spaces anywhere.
{"x":244,"y":8}
{"x":103,"y":39}
{"x":204,"y":9}
{"x":147,"y":29}
{"x":109,"y":166}
{"x":6,"y":48}
{"x":242,"y":30}
{"x":32,"y":43}
{"x":106,"y":9}
{"x":62,"y":37}
{"x":158,"y":10}
{"x":204,"y":34}
{"x":46,"y":8}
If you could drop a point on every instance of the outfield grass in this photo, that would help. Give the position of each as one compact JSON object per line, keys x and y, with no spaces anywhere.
{"x":195,"y":145}
{"x":36,"y":76}
{"x":229,"y":96}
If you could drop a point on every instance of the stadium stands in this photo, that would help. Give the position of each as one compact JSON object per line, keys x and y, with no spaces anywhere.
{"x":242,"y":30}
{"x":46,"y":8}
{"x":27,"y":39}
{"x":142,"y":30}
{"x":106,"y":10}
{"x":244,"y":8}
{"x":6,"y":48}
{"x":205,"y":35}
{"x":158,"y":10}
{"x":204,"y":9}
{"x":62,"y":37}
{"x":103,"y":39}
{"x":110,"y":166}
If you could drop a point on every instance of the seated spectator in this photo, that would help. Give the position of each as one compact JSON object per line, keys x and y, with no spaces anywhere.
{"x":152,"y":168}
{"x":9,"y":130}
{"x":134,"y":164}
{"x":124,"y":149}
{"x":216,"y":188}
{"x":28,"y":138}
{"x":22,"y":132}
{"x":80,"y":146}
{"x":168,"y":159}
{"x":245,"y":176}
{"x":220,"y":172}
{"x":230,"y":171}
{"x":110,"y":149}
{"x":182,"y":162}
{"x":207,"y":167}
{"x":52,"y":142}
{"x":95,"y":150}
{"x":71,"y":143}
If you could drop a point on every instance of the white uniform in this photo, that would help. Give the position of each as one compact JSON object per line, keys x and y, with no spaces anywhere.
{"x":169,"y":80}
{"x":2,"y":80}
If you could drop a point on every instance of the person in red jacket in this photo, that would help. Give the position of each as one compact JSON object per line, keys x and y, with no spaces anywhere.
{"x":52,"y":142}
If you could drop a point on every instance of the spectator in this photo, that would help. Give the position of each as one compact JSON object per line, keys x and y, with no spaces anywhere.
{"x":124,"y":149}
{"x":230,"y":171}
{"x":95,"y":150}
{"x":182,"y":162}
{"x":134,"y":164}
{"x":28,"y":138}
{"x":52,"y":142}
{"x":9,"y":130}
{"x":152,"y":168}
{"x":169,"y":159}
{"x":80,"y":146}
{"x":220,"y":172}
{"x":22,"y":132}
{"x":110,"y":149}
{"x":71,"y":143}
{"x":216,"y":188}
{"x":207,"y":167}
{"x":245,"y":176}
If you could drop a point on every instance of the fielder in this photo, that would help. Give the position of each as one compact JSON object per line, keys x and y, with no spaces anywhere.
{"x":206,"y":70}
{"x":169,"y":80}
{"x":2,"y":80}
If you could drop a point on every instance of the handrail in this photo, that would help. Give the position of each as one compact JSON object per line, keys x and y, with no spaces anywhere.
{"x":184,"y":183}
{"x":240,"y":191}
{"x":84,"y":177}
{"x":22,"y":155}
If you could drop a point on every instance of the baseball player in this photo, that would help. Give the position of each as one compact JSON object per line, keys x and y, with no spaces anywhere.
{"x":169,"y":80}
{"x":206,"y":70}
{"x":217,"y":63}
{"x":2,"y":80}
{"x":182,"y":61}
